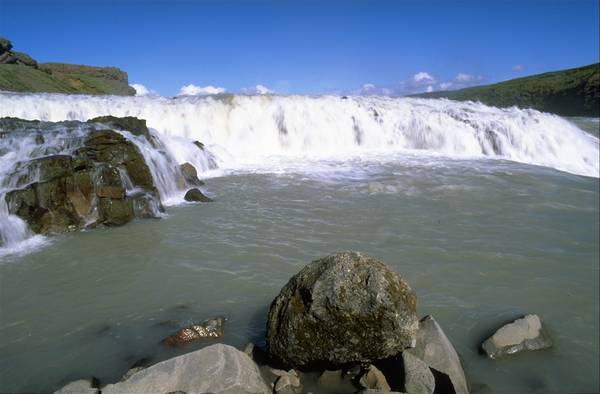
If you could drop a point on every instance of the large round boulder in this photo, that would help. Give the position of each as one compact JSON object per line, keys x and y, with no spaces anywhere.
{"x":341,"y":309}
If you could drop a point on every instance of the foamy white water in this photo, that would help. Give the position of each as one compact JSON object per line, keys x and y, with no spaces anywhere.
{"x":245,"y":130}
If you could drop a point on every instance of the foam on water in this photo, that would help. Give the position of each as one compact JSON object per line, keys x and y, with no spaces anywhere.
{"x":244,"y":130}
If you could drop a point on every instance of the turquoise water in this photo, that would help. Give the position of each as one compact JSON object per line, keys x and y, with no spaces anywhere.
{"x":481,"y":242}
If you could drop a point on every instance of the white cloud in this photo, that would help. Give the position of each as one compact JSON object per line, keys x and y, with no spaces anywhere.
{"x":445,"y":85}
{"x":518,"y":68}
{"x":261,"y":89}
{"x":141,"y":90}
{"x":368,"y":86}
{"x":193,"y":90}
{"x":423,"y":76}
{"x":421,"y":82}
{"x":462,"y":77}
{"x":258,"y":89}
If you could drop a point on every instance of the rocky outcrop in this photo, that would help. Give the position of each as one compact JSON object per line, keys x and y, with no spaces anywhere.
{"x":211,"y":328}
{"x":86,"y":188}
{"x":195,"y":195}
{"x":214,"y":369}
{"x":8,"y":56}
{"x":436,"y":351}
{"x":21,"y":73}
{"x":523,"y":334}
{"x":344,"y":308}
{"x":132,"y":124}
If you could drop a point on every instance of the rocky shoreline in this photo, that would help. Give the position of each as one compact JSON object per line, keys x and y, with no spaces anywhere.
{"x":345,"y":323}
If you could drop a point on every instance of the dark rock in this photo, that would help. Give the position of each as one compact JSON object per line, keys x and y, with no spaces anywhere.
{"x":523,"y":334}
{"x":132,"y":124}
{"x":435,"y":350}
{"x":190,"y":175}
{"x":344,"y":308}
{"x":115,"y":212}
{"x":373,"y":378}
{"x":418,"y":378}
{"x":115,"y":192}
{"x":67,"y":192}
{"x":24,"y":59}
{"x":199,"y":144}
{"x":211,"y":328}
{"x":5,"y":45}
{"x":194,"y":195}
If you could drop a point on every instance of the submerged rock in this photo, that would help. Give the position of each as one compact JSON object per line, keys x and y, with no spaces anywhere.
{"x":211,"y":328}
{"x":214,"y":369}
{"x":331,"y":379}
{"x":523,"y":334}
{"x":195,"y":195}
{"x":344,"y":308}
{"x":435,"y":350}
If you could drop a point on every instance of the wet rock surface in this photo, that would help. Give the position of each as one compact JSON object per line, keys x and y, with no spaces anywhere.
{"x":523,"y":334}
{"x":340,"y":309}
{"x":211,"y":328}
{"x":195,"y":195}
{"x":86,"y":188}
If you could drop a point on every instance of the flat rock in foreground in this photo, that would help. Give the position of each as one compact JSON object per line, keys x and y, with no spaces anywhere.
{"x":523,"y":334}
{"x":214,"y":369}
{"x":340,"y":309}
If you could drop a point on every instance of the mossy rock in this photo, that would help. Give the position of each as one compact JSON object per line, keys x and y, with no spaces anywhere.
{"x":345,"y":308}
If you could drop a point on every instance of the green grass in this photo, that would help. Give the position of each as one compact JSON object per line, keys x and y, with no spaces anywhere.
{"x":59,"y":78}
{"x":573,"y":92}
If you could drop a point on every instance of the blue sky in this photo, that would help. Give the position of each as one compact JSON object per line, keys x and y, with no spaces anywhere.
{"x":308,"y":47}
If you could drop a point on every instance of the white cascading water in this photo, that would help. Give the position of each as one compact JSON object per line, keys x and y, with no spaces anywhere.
{"x":245,"y":131}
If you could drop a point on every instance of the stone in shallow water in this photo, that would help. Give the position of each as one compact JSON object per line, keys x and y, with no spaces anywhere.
{"x":195,"y":195}
{"x":523,"y":334}
{"x":211,"y":328}
{"x":434,"y":348}
{"x":214,"y":369}
{"x":344,"y":308}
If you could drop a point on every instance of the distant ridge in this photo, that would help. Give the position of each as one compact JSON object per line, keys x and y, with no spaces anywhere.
{"x":21,"y":73}
{"x":572,"y":92}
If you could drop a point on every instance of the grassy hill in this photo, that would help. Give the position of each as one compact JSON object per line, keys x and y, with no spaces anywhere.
{"x":20,"y":73}
{"x":572,"y":92}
